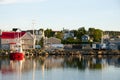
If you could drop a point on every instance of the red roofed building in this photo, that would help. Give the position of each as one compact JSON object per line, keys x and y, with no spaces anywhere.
{"x":9,"y":39}
{"x":12,"y":35}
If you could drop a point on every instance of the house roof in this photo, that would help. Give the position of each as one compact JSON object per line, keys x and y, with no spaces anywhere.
{"x":53,"y":40}
{"x":11,"y":35}
{"x":85,"y":35}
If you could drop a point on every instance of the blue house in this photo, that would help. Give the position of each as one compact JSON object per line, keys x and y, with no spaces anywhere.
{"x":67,"y":34}
{"x":85,"y":38}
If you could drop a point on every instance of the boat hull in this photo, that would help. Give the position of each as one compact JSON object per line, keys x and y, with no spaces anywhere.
{"x":16,"y":56}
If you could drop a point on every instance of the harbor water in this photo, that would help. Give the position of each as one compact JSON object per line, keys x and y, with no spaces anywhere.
{"x":61,"y":68}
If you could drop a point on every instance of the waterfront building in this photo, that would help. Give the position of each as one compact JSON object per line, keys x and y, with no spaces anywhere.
{"x":112,"y":33}
{"x":52,"y":40}
{"x":52,"y":43}
{"x":114,"y":43}
{"x":9,"y":39}
{"x":85,"y":39}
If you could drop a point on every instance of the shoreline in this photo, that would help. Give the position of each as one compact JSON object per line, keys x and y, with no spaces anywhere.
{"x":66,"y":52}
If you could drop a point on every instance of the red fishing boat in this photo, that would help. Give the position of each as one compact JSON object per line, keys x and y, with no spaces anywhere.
{"x":12,"y":40}
{"x":18,"y":53}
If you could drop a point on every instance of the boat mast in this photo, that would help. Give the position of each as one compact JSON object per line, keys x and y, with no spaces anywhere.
{"x":33,"y":23}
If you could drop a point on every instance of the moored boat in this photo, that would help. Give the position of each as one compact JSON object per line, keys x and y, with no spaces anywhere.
{"x":18,"y":54}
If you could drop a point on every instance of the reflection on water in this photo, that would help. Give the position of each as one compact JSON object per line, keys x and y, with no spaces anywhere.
{"x":61,"y":68}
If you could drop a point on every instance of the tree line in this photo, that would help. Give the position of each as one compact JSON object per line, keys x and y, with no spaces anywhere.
{"x":94,"y":34}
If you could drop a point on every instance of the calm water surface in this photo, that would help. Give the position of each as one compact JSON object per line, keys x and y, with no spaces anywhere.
{"x":61,"y":68}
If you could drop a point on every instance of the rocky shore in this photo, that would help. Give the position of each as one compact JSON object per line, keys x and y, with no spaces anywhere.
{"x":66,"y":52}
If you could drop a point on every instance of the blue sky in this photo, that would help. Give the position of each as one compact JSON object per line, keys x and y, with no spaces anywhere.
{"x":56,"y":14}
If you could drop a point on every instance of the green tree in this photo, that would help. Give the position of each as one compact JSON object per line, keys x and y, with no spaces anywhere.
{"x":91,"y":32}
{"x":75,"y":32}
{"x":41,"y":29}
{"x":59,"y":35}
{"x":95,"y":34}
{"x":98,"y":35}
{"x":49,"y":33}
{"x":41,"y":42}
{"x":36,"y":43}
{"x":71,"y":41}
{"x":81,"y":31}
